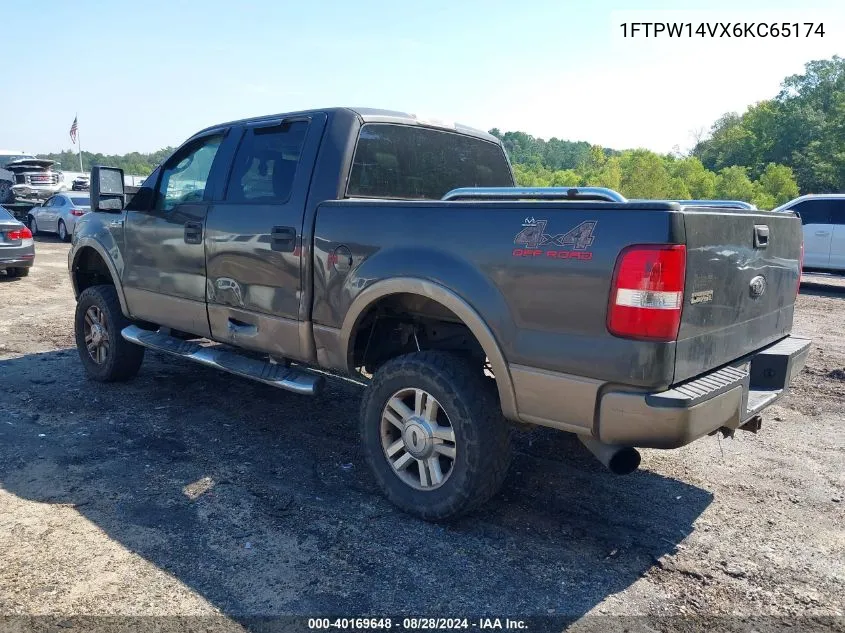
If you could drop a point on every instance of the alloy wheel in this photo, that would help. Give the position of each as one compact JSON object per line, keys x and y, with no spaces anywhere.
{"x":418,"y":439}
{"x":97,"y":339}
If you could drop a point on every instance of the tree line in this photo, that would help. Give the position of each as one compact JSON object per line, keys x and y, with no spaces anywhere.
{"x":134,"y":163}
{"x":790,"y":144}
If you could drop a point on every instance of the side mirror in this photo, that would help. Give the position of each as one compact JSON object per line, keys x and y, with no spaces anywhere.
{"x":106,"y":189}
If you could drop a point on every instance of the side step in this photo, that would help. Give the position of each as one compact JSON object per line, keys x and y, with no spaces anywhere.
{"x":271,"y":374}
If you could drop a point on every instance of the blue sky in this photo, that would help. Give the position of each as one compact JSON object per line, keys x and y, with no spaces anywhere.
{"x":147,"y":74}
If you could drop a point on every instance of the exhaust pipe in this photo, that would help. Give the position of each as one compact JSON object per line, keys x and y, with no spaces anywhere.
{"x":620,"y":460}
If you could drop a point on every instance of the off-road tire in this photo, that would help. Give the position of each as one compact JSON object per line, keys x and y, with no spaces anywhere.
{"x":17,"y":272}
{"x":124,"y":358}
{"x":481,"y":432}
{"x":62,"y":225}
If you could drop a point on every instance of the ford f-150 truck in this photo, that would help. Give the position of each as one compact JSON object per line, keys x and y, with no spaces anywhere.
{"x":376,"y":244}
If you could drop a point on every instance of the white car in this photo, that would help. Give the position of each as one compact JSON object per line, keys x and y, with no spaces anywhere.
{"x":823,"y":217}
{"x":59,"y":214}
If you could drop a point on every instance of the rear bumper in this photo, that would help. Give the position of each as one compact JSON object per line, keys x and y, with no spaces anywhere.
{"x":727,"y":397}
{"x":19,"y":257}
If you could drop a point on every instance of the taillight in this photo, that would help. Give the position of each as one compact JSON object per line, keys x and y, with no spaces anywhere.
{"x":648,"y":292}
{"x":20,"y":234}
{"x":77,"y":212}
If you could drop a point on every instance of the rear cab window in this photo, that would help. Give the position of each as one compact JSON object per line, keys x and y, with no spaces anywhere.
{"x":419,"y":163}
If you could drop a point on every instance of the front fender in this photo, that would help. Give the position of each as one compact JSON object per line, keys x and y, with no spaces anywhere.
{"x":93,"y":232}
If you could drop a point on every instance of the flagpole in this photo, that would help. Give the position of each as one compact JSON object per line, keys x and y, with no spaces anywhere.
{"x":79,"y":143}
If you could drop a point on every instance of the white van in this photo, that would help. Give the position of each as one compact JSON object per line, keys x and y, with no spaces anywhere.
{"x":823,"y":217}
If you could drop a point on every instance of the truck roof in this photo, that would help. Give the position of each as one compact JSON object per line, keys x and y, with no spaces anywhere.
{"x":370,"y":115}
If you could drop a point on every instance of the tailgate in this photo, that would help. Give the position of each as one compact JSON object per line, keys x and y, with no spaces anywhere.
{"x":741,"y":284}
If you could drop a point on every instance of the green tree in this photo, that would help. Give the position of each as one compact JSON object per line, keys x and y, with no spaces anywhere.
{"x":565,"y":178}
{"x":803,"y":127}
{"x":733,"y":183}
{"x":644,"y":175}
{"x":699,"y":181}
{"x":778,"y":182}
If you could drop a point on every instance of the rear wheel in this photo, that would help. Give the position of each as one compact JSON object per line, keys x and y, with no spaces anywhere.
{"x":105,"y":354}
{"x":433,"y":434}
{"x":17,"y":272}
{"x":63,"y":235}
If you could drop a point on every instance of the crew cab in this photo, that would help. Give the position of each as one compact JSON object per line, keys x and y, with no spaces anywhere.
{"x":375,"y":244}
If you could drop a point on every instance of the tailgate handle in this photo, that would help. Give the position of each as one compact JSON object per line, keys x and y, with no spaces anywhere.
{"x":761,"y":236}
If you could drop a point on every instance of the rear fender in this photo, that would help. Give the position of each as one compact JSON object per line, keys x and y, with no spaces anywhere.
{"x":377,"y":277}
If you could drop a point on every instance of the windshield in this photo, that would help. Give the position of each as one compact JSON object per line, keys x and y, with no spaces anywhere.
{"x":409,"y":162}
{"x":8,"y":158}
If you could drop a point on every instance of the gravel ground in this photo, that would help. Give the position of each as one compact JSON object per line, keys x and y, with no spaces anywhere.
{"x":188,"y":492}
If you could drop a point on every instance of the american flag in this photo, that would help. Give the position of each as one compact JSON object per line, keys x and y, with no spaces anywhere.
{"x":73,"y":130}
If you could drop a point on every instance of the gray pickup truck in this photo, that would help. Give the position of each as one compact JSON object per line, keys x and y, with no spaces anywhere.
{"x":375,"y":244}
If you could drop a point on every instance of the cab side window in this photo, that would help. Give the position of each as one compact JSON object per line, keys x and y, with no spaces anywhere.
{"x":813,"y":211}
{"x":265,"y":164}
{"x":837,"y":212}
{"x":184,"y":177}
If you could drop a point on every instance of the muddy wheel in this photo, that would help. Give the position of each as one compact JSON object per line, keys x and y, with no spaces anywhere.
{"x":105,"y":354}
{"x":434,"y":435}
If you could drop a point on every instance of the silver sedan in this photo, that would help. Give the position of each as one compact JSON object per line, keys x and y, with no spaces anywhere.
{"x":59,"y":213}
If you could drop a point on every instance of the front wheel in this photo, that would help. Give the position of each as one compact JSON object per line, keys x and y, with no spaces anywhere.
{"x":63,"y":235}
{"x":434,"y":435}
{"x":105,"y":354}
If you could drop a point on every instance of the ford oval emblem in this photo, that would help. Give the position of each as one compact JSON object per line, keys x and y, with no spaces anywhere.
{"x":758,"y":286}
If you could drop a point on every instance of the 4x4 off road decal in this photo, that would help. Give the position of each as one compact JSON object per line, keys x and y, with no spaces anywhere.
{"x":533,"y":236}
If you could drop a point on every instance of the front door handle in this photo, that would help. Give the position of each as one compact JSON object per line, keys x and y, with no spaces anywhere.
{"x":822,"y":233}
{"x":193,"y":232}
{"x":283,"y":239}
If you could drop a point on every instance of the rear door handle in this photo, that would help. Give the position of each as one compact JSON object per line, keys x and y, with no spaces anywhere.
{"x":283,"y":239}
{"x":822,"y":233}
{"x":193,"y":232}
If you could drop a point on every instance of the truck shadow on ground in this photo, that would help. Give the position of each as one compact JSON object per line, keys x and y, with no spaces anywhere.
{"x":259,"y":500}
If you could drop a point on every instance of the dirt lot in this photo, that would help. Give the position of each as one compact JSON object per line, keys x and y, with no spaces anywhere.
{"x":188,"y":492}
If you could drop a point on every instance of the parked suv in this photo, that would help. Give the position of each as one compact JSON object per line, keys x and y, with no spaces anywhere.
{"x":823,"y":220}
